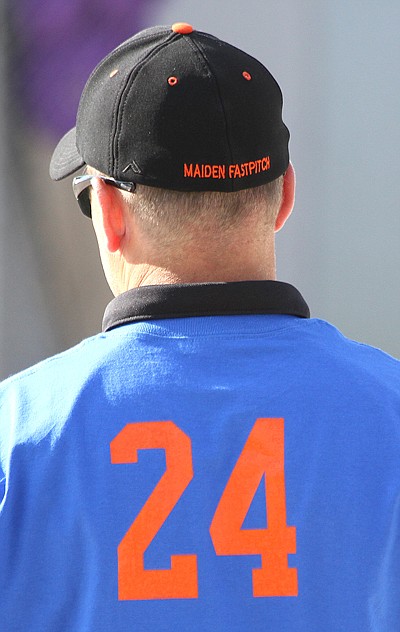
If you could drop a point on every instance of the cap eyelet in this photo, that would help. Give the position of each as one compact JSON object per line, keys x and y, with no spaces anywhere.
{"x":247,"y":75}
{"x":172,"y":81}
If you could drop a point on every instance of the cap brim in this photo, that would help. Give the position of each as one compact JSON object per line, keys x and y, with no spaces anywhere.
{"x":65,"y":159}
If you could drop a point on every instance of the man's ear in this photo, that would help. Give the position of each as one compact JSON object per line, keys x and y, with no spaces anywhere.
{"x":288,"y":195}
{"x":110,"y":213}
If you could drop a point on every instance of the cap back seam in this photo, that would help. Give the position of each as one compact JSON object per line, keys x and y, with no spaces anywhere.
{"x":197,"y":46}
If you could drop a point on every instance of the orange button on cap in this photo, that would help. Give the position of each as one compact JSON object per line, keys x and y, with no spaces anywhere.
{"x":182,"y":28}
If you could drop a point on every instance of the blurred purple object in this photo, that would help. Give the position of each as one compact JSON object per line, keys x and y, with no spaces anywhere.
{"x":59,"y":42}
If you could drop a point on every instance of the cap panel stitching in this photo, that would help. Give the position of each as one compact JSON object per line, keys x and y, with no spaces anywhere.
{"x":123,"y":96}
{"x":200,"y":52}
{"x":112,"y":143}
{"x":254,"y":61}
{"x":113,"y":54}
{"x":116,"y":52}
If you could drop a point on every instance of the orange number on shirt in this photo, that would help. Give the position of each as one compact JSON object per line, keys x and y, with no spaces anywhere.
{"x":134,"y":581}
{"x":262,"y":455}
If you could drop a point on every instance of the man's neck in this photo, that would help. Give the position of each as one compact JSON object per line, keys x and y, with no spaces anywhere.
{"x":137,"y":275}
{"x":198,"y":261}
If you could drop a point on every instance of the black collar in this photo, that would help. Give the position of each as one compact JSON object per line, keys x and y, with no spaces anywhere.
{"x":153,"y":302}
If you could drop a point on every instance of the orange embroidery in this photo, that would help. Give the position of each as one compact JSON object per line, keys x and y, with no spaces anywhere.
{"x":232,"y":171}
{"x":204,"y":171}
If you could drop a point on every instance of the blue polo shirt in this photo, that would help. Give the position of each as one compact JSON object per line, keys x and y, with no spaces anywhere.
{"x":215,"y":459}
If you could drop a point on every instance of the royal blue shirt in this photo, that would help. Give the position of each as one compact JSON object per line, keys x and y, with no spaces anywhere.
{"x":213,"y":460}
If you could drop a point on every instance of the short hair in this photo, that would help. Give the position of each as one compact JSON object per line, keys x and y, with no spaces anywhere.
{"x":166,"y":213}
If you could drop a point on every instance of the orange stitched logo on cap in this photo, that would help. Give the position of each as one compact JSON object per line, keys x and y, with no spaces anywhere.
{"x":231,"y":171}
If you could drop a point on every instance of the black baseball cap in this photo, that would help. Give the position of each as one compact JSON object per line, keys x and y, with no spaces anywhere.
{"x":178,"y":109}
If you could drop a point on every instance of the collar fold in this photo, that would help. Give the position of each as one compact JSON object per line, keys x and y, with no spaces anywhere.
{"x":154,"y":302}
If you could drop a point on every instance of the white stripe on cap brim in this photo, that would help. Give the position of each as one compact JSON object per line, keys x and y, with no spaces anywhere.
{"x":65,"y":159}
